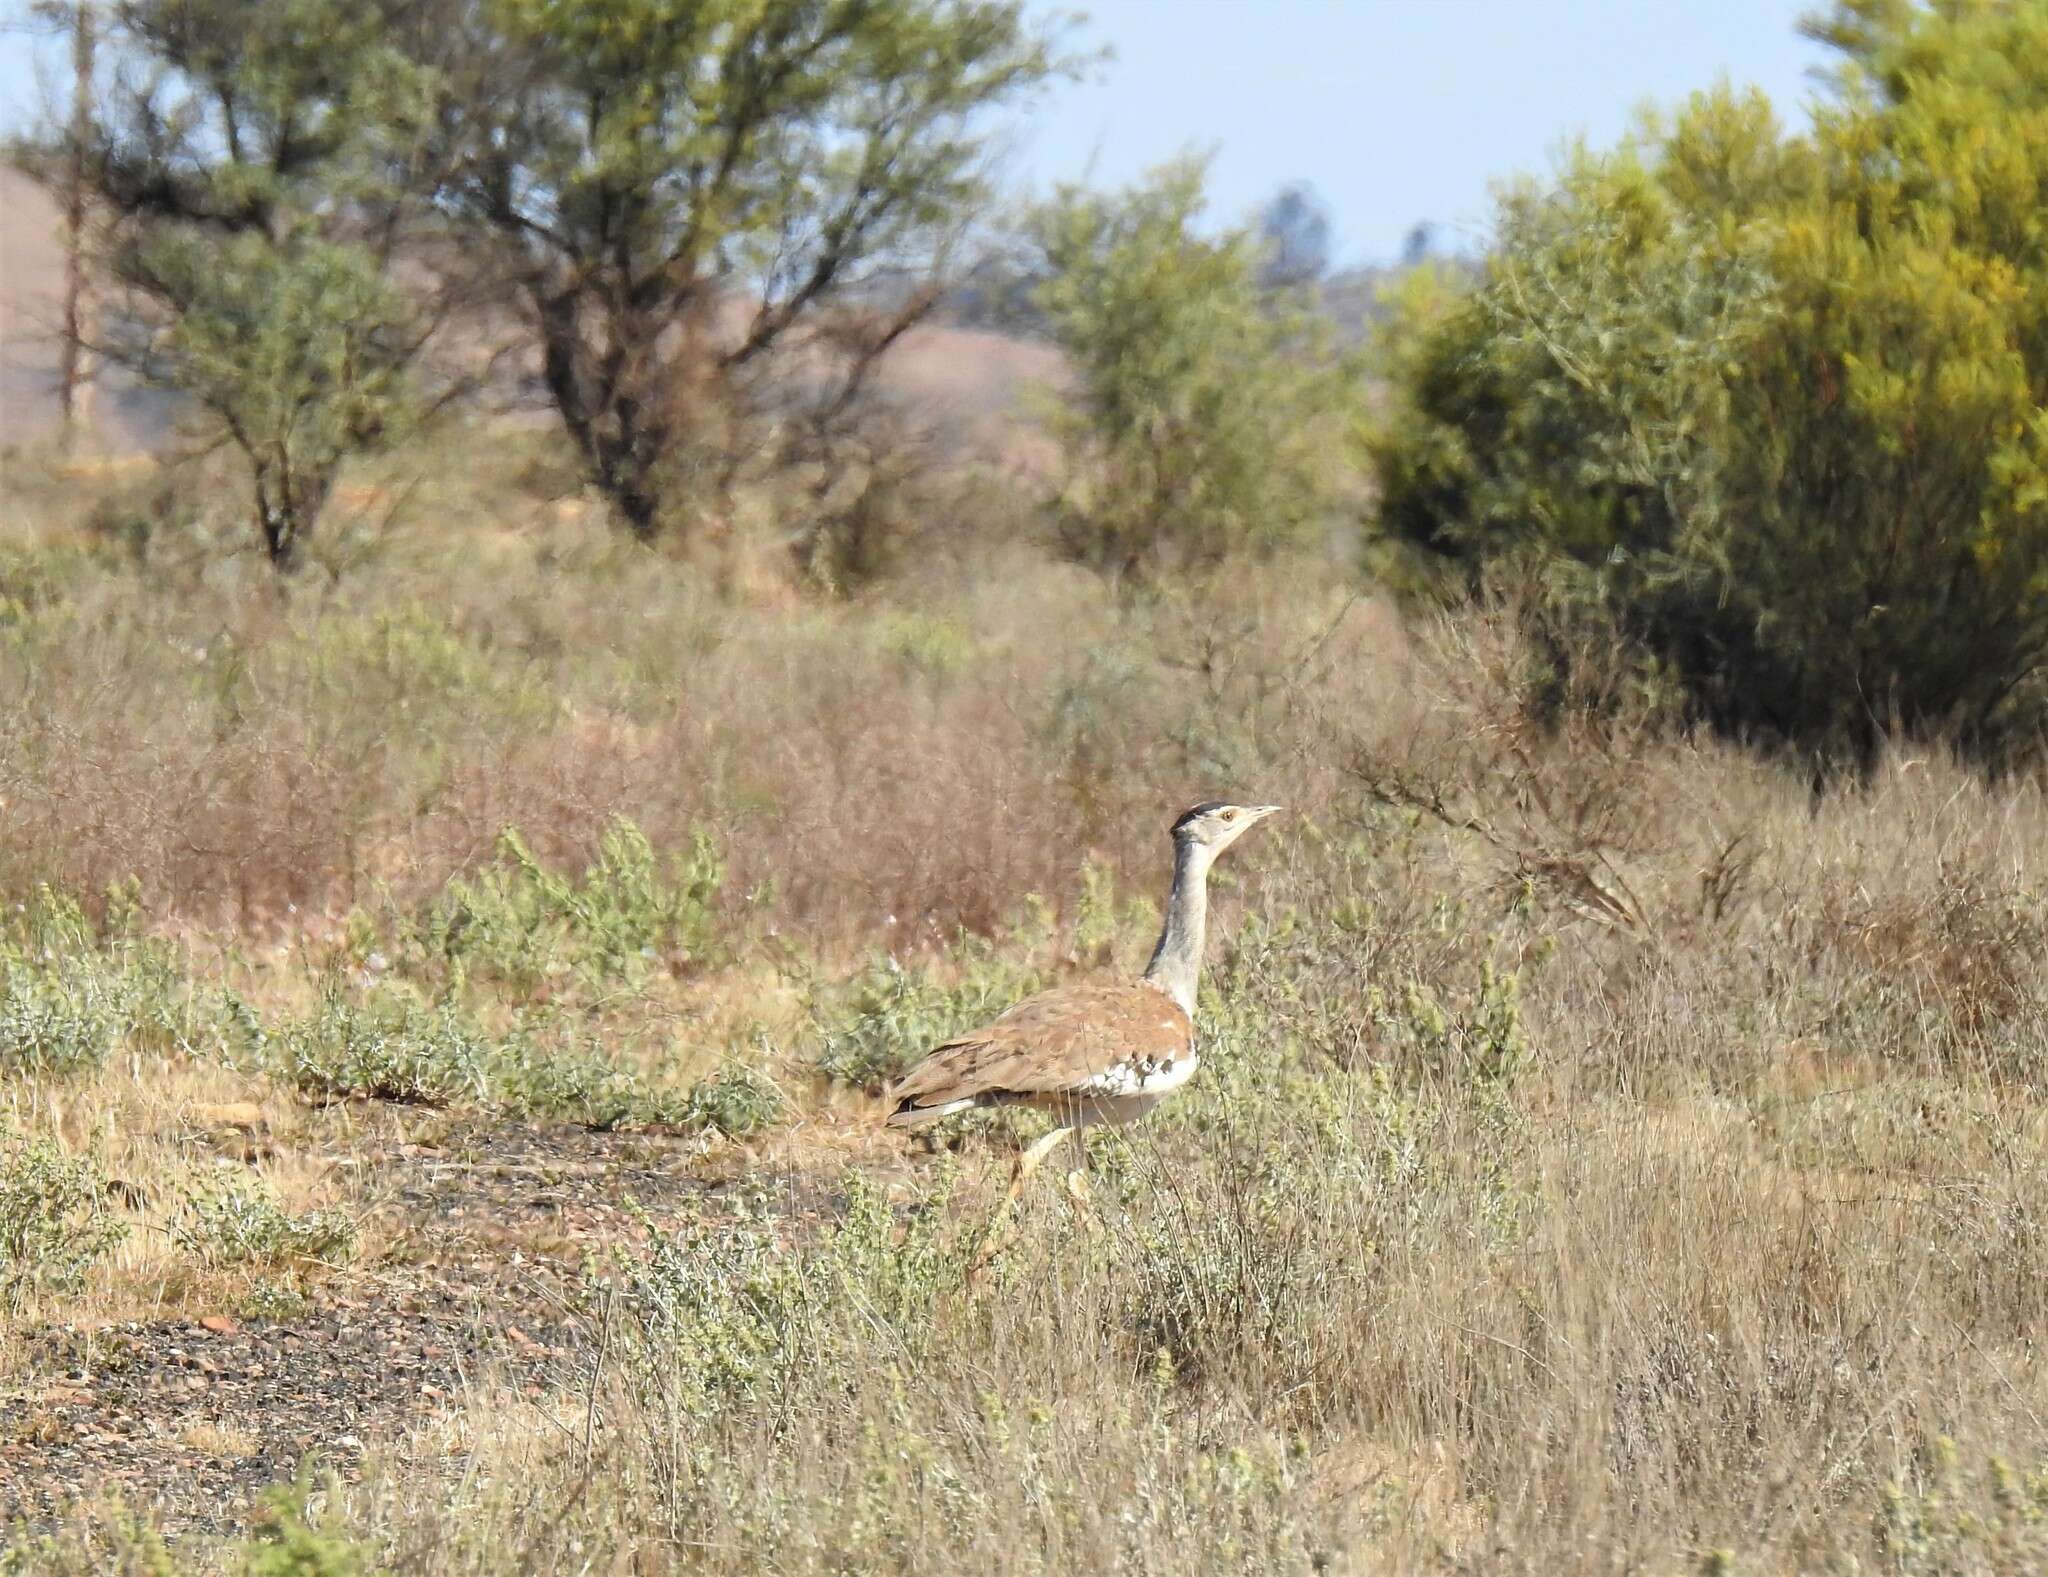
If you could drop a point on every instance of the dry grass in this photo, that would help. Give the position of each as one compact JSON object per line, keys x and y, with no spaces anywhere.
{"x":1611,"y":1154}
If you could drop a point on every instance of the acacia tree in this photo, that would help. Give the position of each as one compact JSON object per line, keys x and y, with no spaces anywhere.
{"x":678,"y":189}
{"x":257,"y":164}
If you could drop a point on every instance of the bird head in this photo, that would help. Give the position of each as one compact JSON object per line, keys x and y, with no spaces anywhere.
{"x":1215,"y":827}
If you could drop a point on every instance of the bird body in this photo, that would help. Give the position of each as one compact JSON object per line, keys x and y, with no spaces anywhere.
{"x":1103,"y":1051}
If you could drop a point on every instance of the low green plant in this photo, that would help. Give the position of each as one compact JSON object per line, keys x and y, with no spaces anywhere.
{"x":934,"y":645}
{"x":1474,"y":1039}
{"x":54,"y":1223}
{"x":69,"y":996}
{"x":525,"y":925}
{"x":1949,"y":1515}
{"x":289,"y":1541}
{"x":115,"y":1542}
{"x":386,"y":1045}
{"x":869,"y":1029}
{"x":582,"y":1085}
{"x":417,"y":662}
{"x":723,"y":1315}
{"x":736,"y":1101}
{"x":231,"y":1220}
{"x":730,"y":1318}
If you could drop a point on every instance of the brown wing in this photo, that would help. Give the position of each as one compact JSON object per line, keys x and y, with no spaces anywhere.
{"x":1045,"y":1047}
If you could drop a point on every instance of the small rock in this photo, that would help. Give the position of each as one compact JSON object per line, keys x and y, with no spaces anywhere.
{"x":219,"y":1324}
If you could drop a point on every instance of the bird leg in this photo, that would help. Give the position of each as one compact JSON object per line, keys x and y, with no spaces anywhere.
{"x":1004,"y":1226}
{"x":1077,"y":1179}
{"x":1027,"y":1163}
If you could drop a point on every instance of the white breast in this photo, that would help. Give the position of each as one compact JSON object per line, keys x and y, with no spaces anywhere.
{"x":1128,"y":1090}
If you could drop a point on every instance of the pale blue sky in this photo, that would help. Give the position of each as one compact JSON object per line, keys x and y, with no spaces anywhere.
{"x":1394,"y":110}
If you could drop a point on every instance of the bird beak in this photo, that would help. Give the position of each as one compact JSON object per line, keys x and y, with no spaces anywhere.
{"x":1261,"y":812}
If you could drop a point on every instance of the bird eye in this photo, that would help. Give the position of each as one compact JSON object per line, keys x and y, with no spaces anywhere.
{"x":1230,"y":815}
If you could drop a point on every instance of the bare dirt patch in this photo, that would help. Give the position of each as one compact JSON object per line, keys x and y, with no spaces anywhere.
{"x":486,"y":1230}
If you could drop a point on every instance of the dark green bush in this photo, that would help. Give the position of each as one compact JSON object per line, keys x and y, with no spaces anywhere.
{"x":1775,"y":399}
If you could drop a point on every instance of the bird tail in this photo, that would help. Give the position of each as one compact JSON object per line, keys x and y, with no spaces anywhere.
{"x":909,"y":1114}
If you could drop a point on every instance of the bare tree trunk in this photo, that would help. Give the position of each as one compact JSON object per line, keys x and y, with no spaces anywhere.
{"x":74,"y":376}
{"x":288,"y":501}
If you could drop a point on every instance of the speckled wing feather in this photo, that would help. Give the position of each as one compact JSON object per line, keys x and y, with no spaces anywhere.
{"x":1060,"y":1048}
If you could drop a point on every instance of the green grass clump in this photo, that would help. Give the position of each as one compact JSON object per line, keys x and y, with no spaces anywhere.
{"x":736,"y":1101}
{"x":887,"y":1016}
{"x":68,"y":998}
{"x":1951,"y":1515}
{"x":731,"y":1318}
{"x":289,"y":1540}
{"x":386,"y":1046}
{"x":53,"y":1217}
{"x":231,"y":1221}
{"x":579,"y":1085}
{"x":524,"y":925}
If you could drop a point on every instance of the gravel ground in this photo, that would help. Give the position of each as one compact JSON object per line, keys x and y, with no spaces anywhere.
{"x":189,"y":1419}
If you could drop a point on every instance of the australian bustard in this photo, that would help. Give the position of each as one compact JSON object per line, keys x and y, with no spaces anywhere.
{"x":1099,"y":1052}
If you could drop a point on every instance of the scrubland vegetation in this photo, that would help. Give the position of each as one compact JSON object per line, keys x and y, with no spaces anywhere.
{"x":1608,"y":1152}
{"x":445,"y":985}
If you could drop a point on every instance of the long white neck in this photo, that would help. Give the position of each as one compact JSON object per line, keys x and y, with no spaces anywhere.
{"x":1176,"y":966}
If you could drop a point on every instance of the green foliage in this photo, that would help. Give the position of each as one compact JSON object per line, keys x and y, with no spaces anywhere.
{"x":258,"y":170}
{"x":522,"y":924}
{"x":725,"y":1308}
{"x":581,"y":1085}
{"x":117,"y":1542}
{"x":1479,"y":1044}
{"x":1949,"y":1516}
{"x":886,"y":1017}
{"x":289,"y":1542}
{"x":585,"y":1086}
{"x":736,"y":1101}
{"x":300,"y":347}
{"x":412,"y":666}
{"x":232,"y":1221}
{"x":640,"y":160}
{"x":733,"y":1321}
{"x":1206,"y":418}
{"x":68,"y":999}
{"x":386,"y":1046}
{"x":1776,"y":398}
{"x":1319,"y":1181}
{"x":53,"y":1217}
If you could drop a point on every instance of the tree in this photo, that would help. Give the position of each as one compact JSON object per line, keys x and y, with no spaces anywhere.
{"x":1775,"y":399}
{"x":1201,"y":420}
{"x":1296,"y":229}
{"x":679,"y":190}
{"x":255,"y":163}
